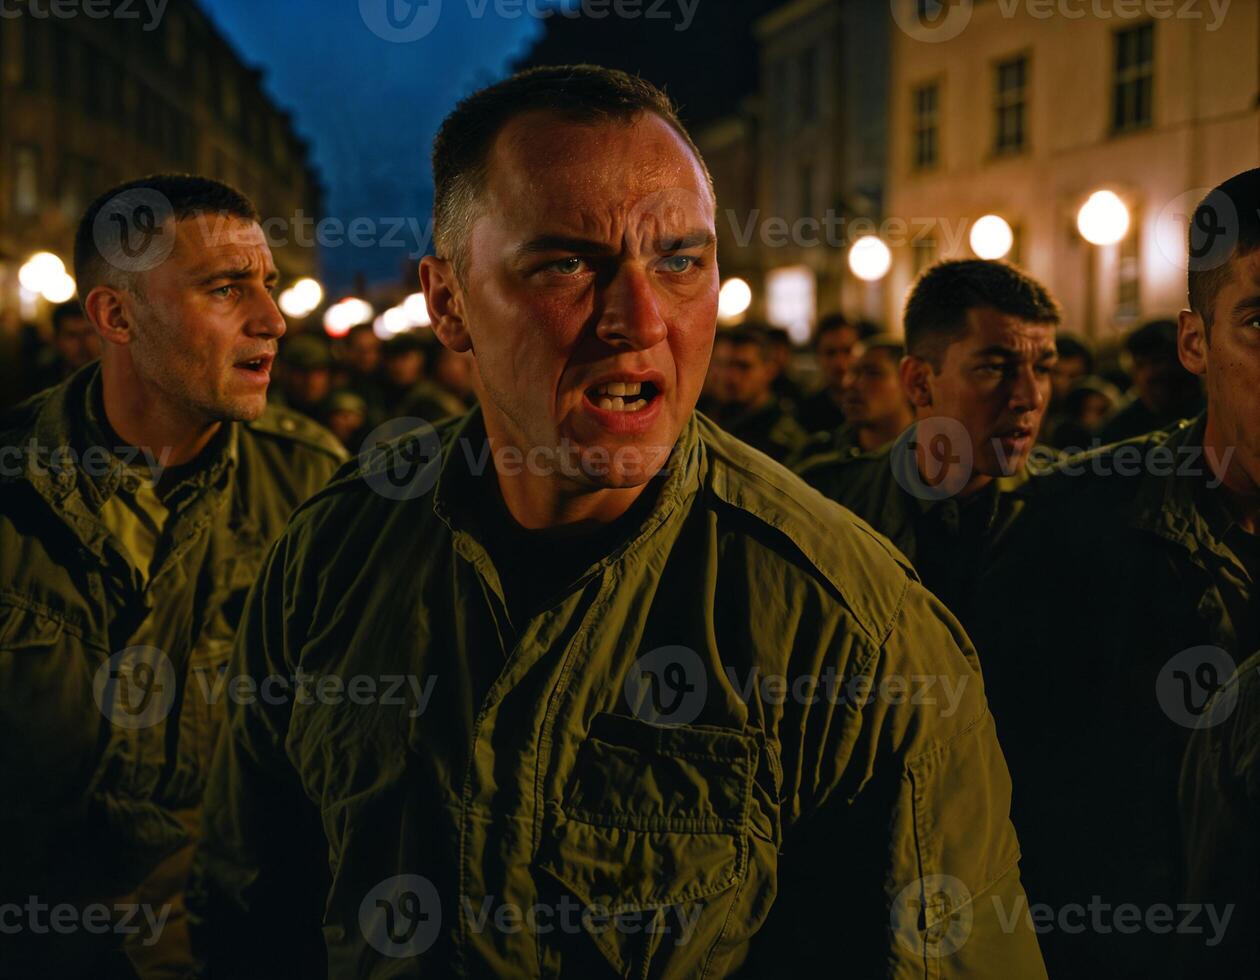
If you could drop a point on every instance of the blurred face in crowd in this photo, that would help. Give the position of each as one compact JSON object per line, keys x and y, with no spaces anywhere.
{"x":1064,"y":375}
{"x":742,"y":374}
{"x":201,"y":329}
{"x":454,"y":372}
{"x":344,"y":424}
{"x":404,"y":369}
{"x":306,"y":387}
{"x":76,"y":342}
{"x":363,"y":352}
{"x":836,"y":351}
{"x":1228,"y":359}
{"x":1160,"y":380}
{"x":1094,"y":409}
{"x":589,"y":297}
{"x":872,"y":391}
{"x":995,"y":380}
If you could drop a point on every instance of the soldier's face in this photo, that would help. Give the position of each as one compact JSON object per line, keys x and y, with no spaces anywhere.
{"x":872,"y":389}
{"x":1230,"y":365}
{"x":995,"y":380}
{"x":76,"y":342}
{"x":206,"y":325}
{"x":742,"y":376}
{"x":836,"y":352}
{"x":590,"y":291}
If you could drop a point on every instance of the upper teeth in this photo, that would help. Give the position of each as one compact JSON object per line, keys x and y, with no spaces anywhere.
{"x":618,"y":388}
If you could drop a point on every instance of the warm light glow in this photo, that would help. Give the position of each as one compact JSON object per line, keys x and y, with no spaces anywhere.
{"x":345,"y":314}
{"x":1103,"y":219}
{"x":991,"y":237}
{"x":41,"y":270}
{"x":733,"y":300}
{"x":791,"y":300}
{"x":60,"y":289}
{"x":417,"y":310}
{"x":869,"y":258}
{"x":301,"y":299}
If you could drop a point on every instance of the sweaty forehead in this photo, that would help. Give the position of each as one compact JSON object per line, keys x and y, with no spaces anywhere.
{"x":987,"y":327}
{"x":545,"y":168}
{"x":213,"y":239}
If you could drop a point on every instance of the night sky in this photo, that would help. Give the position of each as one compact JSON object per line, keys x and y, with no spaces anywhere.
{"x":368,"y":106}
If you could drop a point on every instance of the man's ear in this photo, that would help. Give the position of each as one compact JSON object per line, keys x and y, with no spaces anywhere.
{"x":916,"y":381}
{"x":109,"y":312}
{"x":1192,"y":342}
{"x":445,"y":298}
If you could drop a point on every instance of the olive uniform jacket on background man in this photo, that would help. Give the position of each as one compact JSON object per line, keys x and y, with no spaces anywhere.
{"x":745,"y":741}
{"x":1123,"y":569}
{"x":105,"y":760}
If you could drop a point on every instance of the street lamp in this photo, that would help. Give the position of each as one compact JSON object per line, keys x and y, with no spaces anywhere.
{"x":301,"y":299}
{"x":347,"y":313}
{"x":40,"y":271}
{"x":991,"y":237}
{"x":1103,"y":219}
{"x":734,"y":298}
{"x":869,"y":258}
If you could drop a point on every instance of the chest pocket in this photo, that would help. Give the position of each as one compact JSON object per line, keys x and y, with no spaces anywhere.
{"x":651,"y":839}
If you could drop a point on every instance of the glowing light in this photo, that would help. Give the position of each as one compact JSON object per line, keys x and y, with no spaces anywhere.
{"x":734,"y":299}
{"x":301,"y":299}
{"x":791,"y":301}
{"x":40,"y":271}
{"x":60,"y":290}
{"x":869,"y":258}
{"x":347,"y":313}
{"x":417,"y":310}
{"x":991,"y":237}
{"x":1103,"y":219}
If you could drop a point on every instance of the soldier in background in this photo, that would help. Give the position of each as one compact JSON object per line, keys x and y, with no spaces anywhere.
{"x":745,"y":403}
{"x":980,"y":343}
{"x":74,"y":344}
{"x":305,"y":375}
{"x":835,"y":343}
{"x":1164,"y":392}
{"x":150,"y":486}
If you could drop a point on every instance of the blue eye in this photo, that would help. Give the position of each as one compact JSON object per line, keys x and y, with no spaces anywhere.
{"x":688,"y":262}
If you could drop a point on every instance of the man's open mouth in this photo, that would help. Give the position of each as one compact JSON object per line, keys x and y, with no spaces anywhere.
{"x":622,"y":396}
{"x":261,"y":365}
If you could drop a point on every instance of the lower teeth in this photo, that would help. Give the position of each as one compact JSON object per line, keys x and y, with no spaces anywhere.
{"x":621,"y":405}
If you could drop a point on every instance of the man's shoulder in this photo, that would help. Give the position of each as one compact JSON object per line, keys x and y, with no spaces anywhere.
{"x":17,"y":423}
{"x":847,"y":477}
{"x":296,"y":431}
{"x":870,"y":575}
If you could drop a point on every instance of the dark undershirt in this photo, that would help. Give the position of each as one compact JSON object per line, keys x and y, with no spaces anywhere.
{"x":534,"y":566}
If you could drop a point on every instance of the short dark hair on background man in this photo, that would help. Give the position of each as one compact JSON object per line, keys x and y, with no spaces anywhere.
{"x":1155,"y":339}
{"x":583,"y":93}
{"x":63,"y":312}
{"x":936,"y":312}
{"x":1229,"y":216}
{"x":749,"y":333}
{"x":1071,"y":347}
{"x":832,"y":322}
{"x":181,"y":195}
{"x":890,"y":344}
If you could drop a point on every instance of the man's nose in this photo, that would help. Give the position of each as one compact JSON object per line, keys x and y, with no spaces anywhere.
{"x":631,"y":317}
{"x":1027,"y":393}
{"x":265,"y":318}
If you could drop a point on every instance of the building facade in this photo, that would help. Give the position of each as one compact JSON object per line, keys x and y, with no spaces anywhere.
{"x":1024,"y":110}
{"x":88,"y":102}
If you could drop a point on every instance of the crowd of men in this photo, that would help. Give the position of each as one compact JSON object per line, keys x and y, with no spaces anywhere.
{"x":946,"y":667}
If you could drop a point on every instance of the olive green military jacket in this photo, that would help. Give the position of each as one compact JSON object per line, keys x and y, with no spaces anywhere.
{"x":966,"y":535}
{"x":745,"y":741}
{"x":98,"y":745}
{"x":769,"y":429}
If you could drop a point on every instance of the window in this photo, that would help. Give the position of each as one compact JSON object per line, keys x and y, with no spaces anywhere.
{"x":807,"y":95}
{"x":1134,"y":78}
{"x":1129,"y":277}
{"x":25,"y":180}
{"x":926,"y":117}
{"x":1010,"y":100}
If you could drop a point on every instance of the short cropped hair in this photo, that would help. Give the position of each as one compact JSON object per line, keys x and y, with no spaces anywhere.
{"x":890,"y":344}
{"x":1225,"y":224}
{"x":582,"y":93}
{"x":63,"y":312}
{"x":832,"y":322}
{"x":186,"y":195}
{"x":1070,"y":346}
{"x":747,"y":333}
{"x":936,"y":311}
